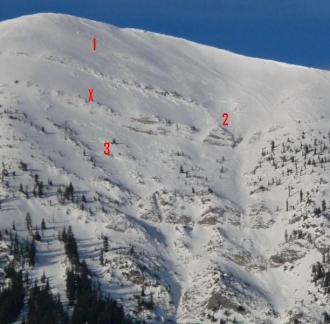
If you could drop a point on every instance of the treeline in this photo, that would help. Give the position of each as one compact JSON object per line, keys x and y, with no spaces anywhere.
{"x":44,"y":307}
{"x":89,"y":306}
{"x":14,"y":289}
{"x":12,"y":296}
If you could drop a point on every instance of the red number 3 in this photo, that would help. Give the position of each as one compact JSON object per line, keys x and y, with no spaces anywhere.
{"x":107,"y":148}
{"x":225,"y":116}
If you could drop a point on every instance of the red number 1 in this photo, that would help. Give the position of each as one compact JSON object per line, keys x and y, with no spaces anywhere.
{"x":107,"y":148}
{"x":225,"y":116}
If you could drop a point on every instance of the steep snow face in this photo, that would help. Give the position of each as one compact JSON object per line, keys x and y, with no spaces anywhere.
{"x":203,"y":205}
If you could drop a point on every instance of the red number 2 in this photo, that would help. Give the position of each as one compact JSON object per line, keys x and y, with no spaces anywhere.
{"x":107,"y":148}
{"x":225,"y":116}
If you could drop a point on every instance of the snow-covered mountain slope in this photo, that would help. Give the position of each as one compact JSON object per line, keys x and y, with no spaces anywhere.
{"x":195,"y":211}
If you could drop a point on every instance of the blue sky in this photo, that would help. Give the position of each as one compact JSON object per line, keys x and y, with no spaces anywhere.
{"x":295,"y":32}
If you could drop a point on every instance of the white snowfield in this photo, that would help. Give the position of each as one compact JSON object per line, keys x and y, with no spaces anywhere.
{"x":209,"y":242}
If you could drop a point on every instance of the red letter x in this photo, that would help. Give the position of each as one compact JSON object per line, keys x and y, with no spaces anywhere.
{"x":90,"y":94}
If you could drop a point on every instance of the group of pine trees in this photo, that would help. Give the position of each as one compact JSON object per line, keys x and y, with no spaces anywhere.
{"x":21,"y":250}
{"x":68,"y":194}
{"x":297,"y":235}
{"x":12,"y":296}
{"x":319,"y":149}
{"x":89,"y":305}
{"x":70,"y":244}
{"x":38,"y":189}
{"x":44,"y":307}
{"x":28,"y":222}
{"x":320,"y":272}
{"x":321,"y":277}
{"x":104,"y":249}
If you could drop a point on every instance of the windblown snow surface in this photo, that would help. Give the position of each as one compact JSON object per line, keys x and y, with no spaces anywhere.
{"x":209,"y":242}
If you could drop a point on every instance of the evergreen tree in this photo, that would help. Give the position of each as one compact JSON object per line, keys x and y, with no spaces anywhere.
{"x":71,"y":190}
{"x":37,"y":236}
{"x":40,"y":189}
{"x":272,"y":146}
{"x":43,"y":224}
{"x":59,"y":193}
{"x":43,"y":278}
{"x":70,"y":286}
{"x":70,"y":230}
{"x":32,"y":253}
{"x":324,"y":206}
{"x":105,"y":243}
{"x":23,"y":166}
{"x":28,"y":221}
{"x":326,"y":318}
{"x":36,"y":179}
{"x":64,"y":235}
{"x":101,"y":257}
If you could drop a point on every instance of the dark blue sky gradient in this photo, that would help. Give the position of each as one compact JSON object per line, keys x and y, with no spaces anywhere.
{"x":295,"y":32}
